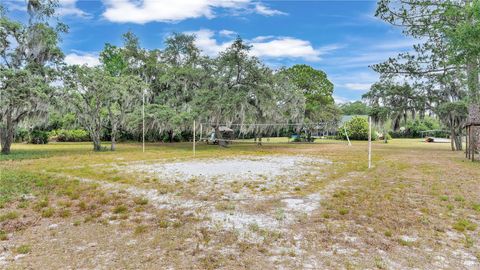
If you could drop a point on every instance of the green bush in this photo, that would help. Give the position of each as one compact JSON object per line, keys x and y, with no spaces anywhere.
{"x":357,"y":129}
{"x":414,"y":128}
{"x":21,"y":135}
{"x":69,"y":135}
{"x":38,"y":137}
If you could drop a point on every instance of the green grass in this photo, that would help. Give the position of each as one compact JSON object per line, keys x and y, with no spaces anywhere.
{"x":463,"y":224}
{"x":3,"y":235}
{"x":15,"y":183}
{"x":9,"y":216}
{"x":140,"y":229}
{"x":120,"y":209}
{"x":23,"y":249}
{"x":140,"y":201}
{"x":414,"y":187}
{"x":46,"y":213}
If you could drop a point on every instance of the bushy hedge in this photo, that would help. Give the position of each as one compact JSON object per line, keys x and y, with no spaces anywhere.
{"x":414,"y":128}
{"x":38,"y":137}
{"x":357,"y":129}
{"x":21,"y":135}
{"x":69,"y":135}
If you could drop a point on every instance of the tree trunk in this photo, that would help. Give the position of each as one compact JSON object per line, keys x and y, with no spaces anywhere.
{"x":474,"y":117}
{"x":97,"y":146}
{"x":95,"y":136}
{"x":113,"y":135}
{"x":396,"y":123}
{"x":472,"y":81}
{"x":452,"y":138}
{"x":170,"y":136}
{"x":7,"y":134}
{"x":458,"y":142}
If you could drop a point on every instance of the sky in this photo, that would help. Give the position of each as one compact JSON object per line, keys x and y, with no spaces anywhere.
{"x":341,"y":38}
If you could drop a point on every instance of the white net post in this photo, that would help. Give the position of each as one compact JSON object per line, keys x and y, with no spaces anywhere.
{"x":143,"y":121}
{"x":369,"y":142}
{"x":346,"y":134}
{"x":193,"y":137}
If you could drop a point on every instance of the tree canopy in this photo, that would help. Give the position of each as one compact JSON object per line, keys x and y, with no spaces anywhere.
{"x":441,"y":74}
{"x":179,"y":84}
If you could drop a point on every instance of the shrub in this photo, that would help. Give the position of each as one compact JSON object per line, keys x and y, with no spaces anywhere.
{"x":21,"y":135}
{"x":357,"y":129}
{"x":414,"y":128}
{"x":38,"y":137}
{"x":380,"y":136}
{"x":69,"y":135}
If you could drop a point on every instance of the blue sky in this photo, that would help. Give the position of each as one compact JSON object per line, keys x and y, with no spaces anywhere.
{"x":340,"y":37}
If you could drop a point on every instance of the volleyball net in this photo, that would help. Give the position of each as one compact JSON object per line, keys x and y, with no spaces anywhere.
{"x":267,"y":133}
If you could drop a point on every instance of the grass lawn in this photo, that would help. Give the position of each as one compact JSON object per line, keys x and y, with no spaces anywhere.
{"x":294,"y":206}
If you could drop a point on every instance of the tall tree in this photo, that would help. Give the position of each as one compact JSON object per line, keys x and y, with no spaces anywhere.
{"x":29,"y":59}
{"x":355,"y":108}
{"x":89,"y":90}
{"x":318,"y":91}
{"x":124,"y":90}
{"x":446,"y":62}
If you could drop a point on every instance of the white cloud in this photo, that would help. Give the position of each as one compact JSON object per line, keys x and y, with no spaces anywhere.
{"x":227,"y":33}
{"x":262,"y":46}
{"x":341,"y":100}
{"x":286,"y":47}
{"x":144,"y":11}
{"x":206,"y":42}
{"x":69,"y":8}
{"x":88,"y":59}
{"x":264,"y":10}
{"x":358,"y":86}
{"x":66,"y":7}
{"x":354,"y":81}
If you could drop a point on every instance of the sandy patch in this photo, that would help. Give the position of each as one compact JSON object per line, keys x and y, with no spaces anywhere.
{"x":247,"y":167}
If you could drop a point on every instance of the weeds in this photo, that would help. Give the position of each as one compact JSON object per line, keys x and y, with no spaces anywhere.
{"x":225,"y":206}
{"x":476,"y":207}
{"x":140,"y":201}
{"x":23,"y":249}
{"x":279,"y":214}
{"x":140,"y":229}
{"x":46,"y":213}
{"x":163,"y":224}
{"x":64,"y":213}
{"x":9,"y":216}
{"x":444,"y":198}
{"x":120,"y":209}
{"x":463,"y":224}
{"x":3,"y":235}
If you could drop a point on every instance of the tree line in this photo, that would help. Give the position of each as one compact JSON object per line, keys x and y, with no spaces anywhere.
{"x":177,"y":84}
{"x":440,"y":76}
